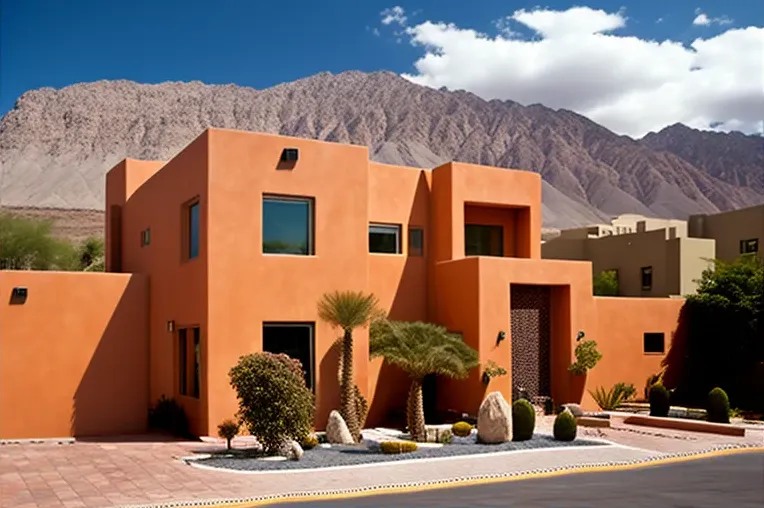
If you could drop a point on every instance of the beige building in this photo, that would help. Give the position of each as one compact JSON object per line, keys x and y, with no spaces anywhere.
{"x":652,"y":257}
{"x":736,"y":232}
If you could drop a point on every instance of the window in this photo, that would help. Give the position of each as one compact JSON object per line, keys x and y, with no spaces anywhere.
{"x":294,"y":340}
{"x":483,"y":240}
{"x":287,"y":225}
{"x":193,"y":230}
{"x":145,"y":237}
{"x":385,"y":239}
{"x":189,"y":385}
{"x":654,"y":343}
{"x":749,"y":246}
{"x":647,"y":277}
{"x":416,"y":242}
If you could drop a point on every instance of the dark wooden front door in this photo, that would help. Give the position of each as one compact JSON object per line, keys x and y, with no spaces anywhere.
{"x":531,"y":336}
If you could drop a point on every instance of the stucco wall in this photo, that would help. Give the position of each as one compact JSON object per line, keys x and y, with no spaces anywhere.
{"x":74,"y":356}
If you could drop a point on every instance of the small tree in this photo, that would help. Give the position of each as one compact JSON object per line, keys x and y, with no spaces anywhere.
{"x":27,"y":244}
{"x":420,"y":349}
{"x":274,"y":402}
{"x":228,"y":430}
{"x":606,"y":283}
{"x":587,"y":356}
{"x":348,"y":310}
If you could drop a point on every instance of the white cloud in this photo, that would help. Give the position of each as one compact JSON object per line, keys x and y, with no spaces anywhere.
{"x":702,"y":19}
{"x":394,"y":15}
{"x":577,"y":60}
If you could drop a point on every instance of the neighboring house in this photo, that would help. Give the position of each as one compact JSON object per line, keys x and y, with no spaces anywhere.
{"x":226,"y":249}
{"x":625,"y":224}
{"x":736,"y":232}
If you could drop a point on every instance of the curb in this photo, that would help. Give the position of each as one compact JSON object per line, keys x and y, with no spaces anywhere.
{"x":398,"y":488}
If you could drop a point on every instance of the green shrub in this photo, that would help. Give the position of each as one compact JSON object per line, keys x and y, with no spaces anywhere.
{"x":461,"y":429}
{"x":587,"y":356}
{"x":718,"y":409}
{"x":627,"y":389}
{"x":523,"y":420}
{"x":660,"y":400}
{"x":608,"y":400}
{"x":606,"y":283}
{"x":445,"y":436}
{"x":394,"y":447}
{"x":565,"y":427}
{"x":274,"y":402}
{"x":309,"y":441}
{"x":168,"y":416}
{"x":228,"y":430}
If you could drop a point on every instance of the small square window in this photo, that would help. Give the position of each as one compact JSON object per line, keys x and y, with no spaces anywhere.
{"x":750,"y":246}
{"x":416,"y":241}
{"x":385,"y":238}
{"x":654,"y":343}
{"x":647,"y":278}
{"x":145,"y":237}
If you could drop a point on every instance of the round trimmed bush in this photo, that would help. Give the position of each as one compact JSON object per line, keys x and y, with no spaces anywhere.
{"x":565,"y":426}
{"x":309,"y":441}
{"x":523,"y":420}
{"x":461,"y":429}
{"x":660,"y":400}
{"x":394,"y":447}
{"x":718,"y":409}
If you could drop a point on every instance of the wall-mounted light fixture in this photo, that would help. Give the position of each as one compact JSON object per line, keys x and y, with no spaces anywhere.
{"x":580,"y":335}
{"x":19,"y":295}
{"x":502,"y":335}
{"x":171,"y":326}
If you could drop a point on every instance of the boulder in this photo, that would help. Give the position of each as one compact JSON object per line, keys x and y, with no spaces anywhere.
{"x":293,"y":451}
{"x":575,"y":409}
{"x":337,"y":431}
{"x":494,"y":422}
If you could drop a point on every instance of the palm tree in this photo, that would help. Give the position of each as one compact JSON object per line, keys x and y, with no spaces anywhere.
{"x":347,"y":310}
{"x":420,"y":349}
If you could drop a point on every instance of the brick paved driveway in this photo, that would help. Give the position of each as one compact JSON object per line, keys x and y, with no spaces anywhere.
{"x":146,"y":470}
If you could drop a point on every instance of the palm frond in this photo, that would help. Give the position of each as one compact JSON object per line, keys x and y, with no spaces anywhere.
{"x":348,"y":310}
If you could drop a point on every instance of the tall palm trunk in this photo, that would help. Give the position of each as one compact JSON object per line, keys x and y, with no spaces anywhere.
{"x":415,"y":411}
{"x":347,"y":388}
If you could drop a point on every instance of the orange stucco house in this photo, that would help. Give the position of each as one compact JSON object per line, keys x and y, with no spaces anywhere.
{"x":226,"y":249}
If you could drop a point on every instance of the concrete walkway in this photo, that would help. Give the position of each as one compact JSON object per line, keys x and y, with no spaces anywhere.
{"x":142,"y":472}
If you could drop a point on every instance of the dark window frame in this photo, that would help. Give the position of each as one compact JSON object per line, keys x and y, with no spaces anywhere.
{"x":749,"y":246}
{"x":649,"y":340}
{"x":414,"y":232}
{"x":384,"y":229}
{"x":192,"y":238}
{"x":646,"y":280}
{"x":489,"y":228}
{"x":146,"y":237}
{"x":311,"y":207}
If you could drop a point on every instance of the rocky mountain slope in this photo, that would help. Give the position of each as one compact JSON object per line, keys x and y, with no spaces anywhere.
{"x":56,"y":145}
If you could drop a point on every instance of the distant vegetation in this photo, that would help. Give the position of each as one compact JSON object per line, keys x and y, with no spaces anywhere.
{"x":606,"y":283}
{"x":28,"y":244}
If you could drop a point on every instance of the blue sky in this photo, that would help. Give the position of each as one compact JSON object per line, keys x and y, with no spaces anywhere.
{"x":263,"y":43}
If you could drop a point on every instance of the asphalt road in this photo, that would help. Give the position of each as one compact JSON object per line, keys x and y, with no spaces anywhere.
{"x":732,"y":481}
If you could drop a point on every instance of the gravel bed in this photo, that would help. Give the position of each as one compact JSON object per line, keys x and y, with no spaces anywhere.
{"x":344,"y":455}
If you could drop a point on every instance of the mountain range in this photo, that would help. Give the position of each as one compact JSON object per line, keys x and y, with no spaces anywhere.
{"x":57,"y":144}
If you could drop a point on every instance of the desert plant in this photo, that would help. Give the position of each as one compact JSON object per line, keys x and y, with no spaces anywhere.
{"x":492,"y":370}
{"x":28,"y":244}
{"x":309,"y":441}
{"x":587,"y":356}
{"x":523,"y":420}
{"x":168,"y":416}
{"x":228,"y":430}
{"x":565,"y":426}
{"x":606,"y":283}
{"x":421,"y":349}
{"x":627,"y":389}
{"x":718,"y":408}
{"x":608,"y":400}
{"x":461,"y":429}
{"x":445,"y":436}
{"x":660,"y":400}
{"x":395,"y":447}
{"x":653,"y":379}
{"x":348,"y":310}
{"x":274,"y":402}
{"x":361,"y":404}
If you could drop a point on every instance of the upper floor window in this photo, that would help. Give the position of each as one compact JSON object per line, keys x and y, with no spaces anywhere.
{"x":482,"y":240}
{"x":654,"y":342}
{"x":385,"y":238}
{"x":416,"y":241}
{"x":647,"y":277}
{"x":145,"y":237}
{"x":749,"y":246}
{"x":193,"y":230}
{"x":288,"y":225}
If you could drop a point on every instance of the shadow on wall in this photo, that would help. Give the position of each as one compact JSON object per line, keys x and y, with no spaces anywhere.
{"x":112,"y":396}
{"x":328,"y":389}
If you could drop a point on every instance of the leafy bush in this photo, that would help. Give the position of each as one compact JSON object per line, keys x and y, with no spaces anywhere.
{"x":394,"y":447}
{"x":660,"y":400}
{"x":587,"y":356}
{"x":445,"y":436}
{"x":718,"y":409}
{"x":309,"y":442}
{"x":606,"y":283}
{"x":228,"y":430}
{"x":627,"y":389}
{"x":565,"y":426}
{"x":168,"y":416}
{"x":461,"y":429}
{"x":652,"y":380}
{"x":274,"y":402}
{"x":609,"y":400}
{"x":523,"y":420}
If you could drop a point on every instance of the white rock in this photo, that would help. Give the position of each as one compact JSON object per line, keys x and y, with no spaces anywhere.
{"x":494,"y":423}
{"x":293,"y":451}
{"x":575,"y":409}
{"x":337,"y":431}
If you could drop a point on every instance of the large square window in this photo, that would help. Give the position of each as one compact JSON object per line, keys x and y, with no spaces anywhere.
{"x":480,"y":240}
{"x":287,"y":225}
{"x":193,"y":230}
{"x":385,"y":238}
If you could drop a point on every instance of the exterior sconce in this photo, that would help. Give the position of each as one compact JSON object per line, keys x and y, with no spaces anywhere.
{"x":486,"y":378}
{"x":502,"y":335}
{"x":580,"y":336}
{"x":19,"y":295}
{"x":171,"y":326}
